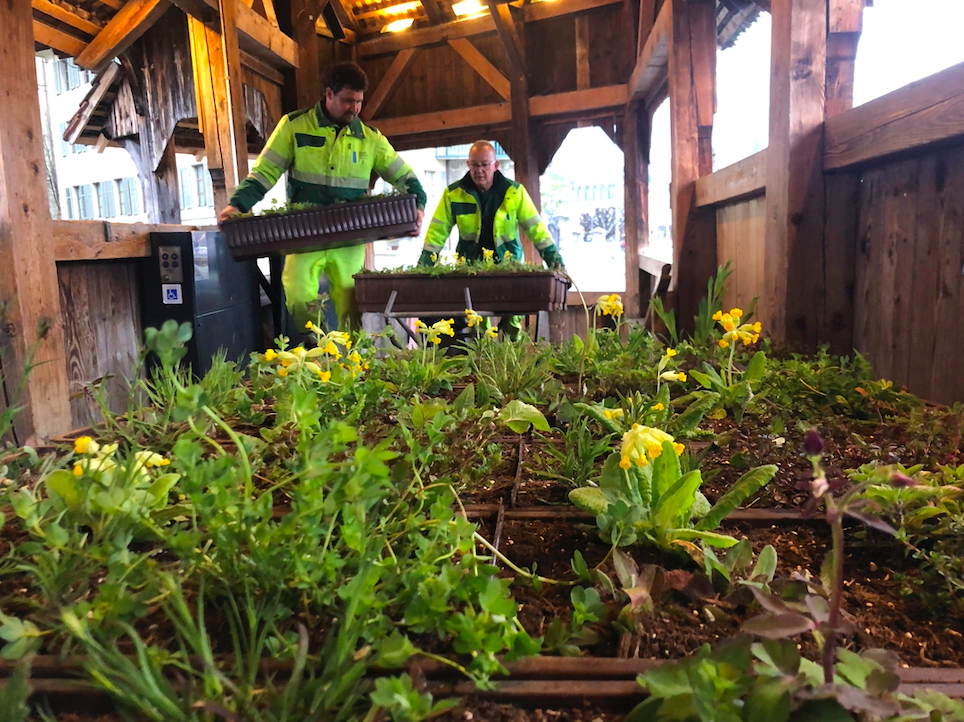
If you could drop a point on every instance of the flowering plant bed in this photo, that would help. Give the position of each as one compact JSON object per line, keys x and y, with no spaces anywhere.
{"x":515,"y":292}
{"x":316,"y":229}
{"x":291,"y":545}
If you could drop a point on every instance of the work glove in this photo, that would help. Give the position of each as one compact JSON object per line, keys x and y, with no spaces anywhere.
{"x":427,"y":259}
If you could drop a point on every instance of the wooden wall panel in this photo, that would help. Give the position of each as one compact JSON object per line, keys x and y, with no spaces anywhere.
{"x":102,"y":331}
{"x":551,"y":55}
{"x":438,"y":80}
{"x":908,"y":295}
{"x":740,"y":239}
{"x":609,"y":61}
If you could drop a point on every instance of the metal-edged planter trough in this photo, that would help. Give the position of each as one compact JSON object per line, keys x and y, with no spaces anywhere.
{"x":318,"y":229}
{"x":509,"y":292}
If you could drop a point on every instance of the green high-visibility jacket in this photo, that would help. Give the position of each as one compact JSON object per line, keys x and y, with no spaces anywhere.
{"x":460,"y":205}
{"x":325,"y":164}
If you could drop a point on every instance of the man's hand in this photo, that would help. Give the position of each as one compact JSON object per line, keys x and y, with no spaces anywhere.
{"x":228,"y":212}
{"x":419,"y":217}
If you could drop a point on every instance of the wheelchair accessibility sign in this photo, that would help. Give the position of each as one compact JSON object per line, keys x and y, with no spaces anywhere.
{"x":171,"y":294}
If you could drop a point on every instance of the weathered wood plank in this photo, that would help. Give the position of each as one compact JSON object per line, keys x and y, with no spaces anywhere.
{"x":795,"y":194}
{"x":924,"y":278}
{"x":57,"y":39}
{"x":926,"y":111}
{"x":92,"y":101}
{"x":511,"y":41}
{"x":256,"y":35}
{"x":33,"y":331}
{"x":743,"y":179}
{"x":946,"y":374}
{"x":100,"y":240}
{"x":694,"y":231}
{"x":613,"y":96}
{"x":840,"y":244}
{"x":898,"y":268}
{"x":65,"y":16}
{"x":868,"y":255}
{"x":233,"y":121}
{"x":437,"y":34}
{"x":389,"y":83}
{"x":582,"y":52}
{"x":483,"y":115}
{"x":129,"y":24}
{"x":740,"y":237}
{"x":647,"y":18}
{"x":636,"y":200}
{"x":652,"y":67}
{"x":491,"y":74}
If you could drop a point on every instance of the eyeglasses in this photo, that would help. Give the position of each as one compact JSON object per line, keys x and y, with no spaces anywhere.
{"x":480,"y":164}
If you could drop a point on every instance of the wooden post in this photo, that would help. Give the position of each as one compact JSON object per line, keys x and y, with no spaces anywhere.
{"x":636,"y":180}
{"x":220,"y":115}
{"x":793,"y":260}
{"x":304,"y":16}
{"x":843,"y":34}
{"x":161,"y":200}
{"x":692,"y":96}
{"x":29,"y":296}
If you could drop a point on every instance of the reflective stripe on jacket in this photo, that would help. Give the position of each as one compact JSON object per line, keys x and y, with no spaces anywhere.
{"x":460,"y":206}
{"x":325,"y":164}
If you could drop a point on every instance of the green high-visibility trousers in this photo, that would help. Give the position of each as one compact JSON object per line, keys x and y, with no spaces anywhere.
{"x":300,"y":280}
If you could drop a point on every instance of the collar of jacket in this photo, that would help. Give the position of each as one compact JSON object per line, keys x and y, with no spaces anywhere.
{"x":499,"y":182}
{"x":324,"y":121}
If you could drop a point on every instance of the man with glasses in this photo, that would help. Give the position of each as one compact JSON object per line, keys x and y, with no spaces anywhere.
{"x":488,"y":209}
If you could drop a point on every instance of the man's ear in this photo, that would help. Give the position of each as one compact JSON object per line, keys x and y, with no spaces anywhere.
{"x":495,"y":166}
{"x":328,"y":95}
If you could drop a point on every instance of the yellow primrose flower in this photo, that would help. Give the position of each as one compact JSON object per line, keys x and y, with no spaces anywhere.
{"x":506,"y":256}
{"x":736,"y":312}
{"x":641,"y":444}
{"x":309,"y":325}
{"x":472,"y":318}
{"x":671,"y":352}
{"x":718,"y":316}
{"x":757,"y":327}
{"x":270,"y":355}
{"x":658,"y":407}
{"x":444,"y":326}
{"x":434,"y":257}
{"x":420,"y":327}
{"x":78,"y":470}
{"x":670,"y":376}
{"x":459,"y":260}
{"x":610,"y":305}
{"x":681,"y":376}
{"x":492,"y":332}
{"x":487,"y":254}
{"x":325,"y":376}
{"x":355,"y":358}
{"x":85,"y":445}
{"x":436,"y":340}
{"x":282,"y":371}
{"x":332,"y":350}
{"x":724,"y":343}
{"x":613,"y":413}
{"x":150,"y":459}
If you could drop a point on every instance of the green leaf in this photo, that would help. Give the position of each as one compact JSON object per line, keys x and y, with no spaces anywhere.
{"x":519,"y":416}
{"x":626,"y":568}
{"x":766,"y":564}
{"x":768,"y":701}
{"x":781,"y":655}
{"x":161,"y":486}
{"x":708,"y":537}
{"x":645,"y":711}
{"x":687,"y":421}
{"x":465,"y":400}
{"x":592,"y":500}
{"x":739,"y":557}
{"x":745,"y":487}
{"x":778,"y":626}
{"x":672,"y":509}
{"x":666,"y":470}
{"x":821,"y":710}
{"x":756,"y":368}
{"x":702,"y":379}
{"x":395,"y":650}
{"x":14,"y":694}
{"x":63,"y":486}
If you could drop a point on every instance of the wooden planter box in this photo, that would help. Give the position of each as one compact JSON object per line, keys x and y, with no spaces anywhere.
{"x":318,"y":229}
{"x":494,"y":292}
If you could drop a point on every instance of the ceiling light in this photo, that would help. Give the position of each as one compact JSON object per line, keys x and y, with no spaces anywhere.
{"x":468,"y":7}
{"x":397,"y":26}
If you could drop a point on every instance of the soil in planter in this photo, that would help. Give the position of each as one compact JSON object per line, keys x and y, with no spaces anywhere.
{"x":882,"y":616}
{"x":474,"y":710}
